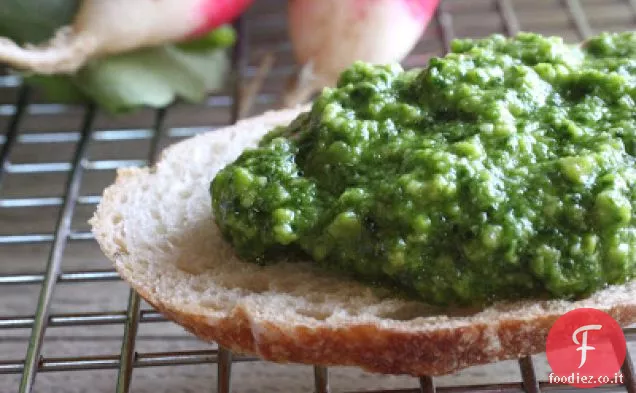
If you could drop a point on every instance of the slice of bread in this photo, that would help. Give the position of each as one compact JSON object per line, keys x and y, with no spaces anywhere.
{"x":156,"y":225}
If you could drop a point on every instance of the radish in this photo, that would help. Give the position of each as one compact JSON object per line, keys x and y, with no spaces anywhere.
{"x":103,"y":27}
{"x":330,"y":35}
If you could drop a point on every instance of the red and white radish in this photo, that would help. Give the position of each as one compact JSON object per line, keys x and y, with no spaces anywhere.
{"x":103,"y":27}
{"x":330,"y":35}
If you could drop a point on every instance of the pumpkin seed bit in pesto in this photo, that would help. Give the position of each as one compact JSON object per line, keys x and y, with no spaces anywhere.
{"x":504,"y":170}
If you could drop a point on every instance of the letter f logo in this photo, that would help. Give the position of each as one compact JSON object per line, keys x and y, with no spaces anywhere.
{"x":583,"y":343}
{"x":573,"y":335}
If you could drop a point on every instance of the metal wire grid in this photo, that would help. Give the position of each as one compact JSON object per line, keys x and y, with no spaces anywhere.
{"x":127,"y":360}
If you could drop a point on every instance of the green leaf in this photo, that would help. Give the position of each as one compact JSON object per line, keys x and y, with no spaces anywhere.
{"x":58,"y":88}
{"x":222,"y":37}
{"x":34,"y":21}
{"x":152,"y":77}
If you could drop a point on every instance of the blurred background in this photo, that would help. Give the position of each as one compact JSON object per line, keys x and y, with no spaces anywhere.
{"x":61,"y":140}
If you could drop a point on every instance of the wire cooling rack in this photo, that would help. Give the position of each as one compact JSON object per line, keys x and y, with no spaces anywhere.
{"x":55,"y":159}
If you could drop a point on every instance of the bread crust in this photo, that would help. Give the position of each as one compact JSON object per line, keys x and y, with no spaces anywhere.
{"x":378,"y":344}
{"x":372,"y":348}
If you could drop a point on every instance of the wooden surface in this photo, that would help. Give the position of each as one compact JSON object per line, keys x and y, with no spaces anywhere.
{"x":267,"y":34}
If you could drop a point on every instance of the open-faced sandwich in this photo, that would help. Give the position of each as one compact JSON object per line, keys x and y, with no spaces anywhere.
{"x":413,"y":222}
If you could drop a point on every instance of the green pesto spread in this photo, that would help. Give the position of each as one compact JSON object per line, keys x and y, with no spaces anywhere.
{"x":504,"y":170}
